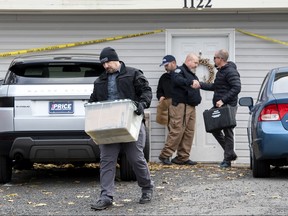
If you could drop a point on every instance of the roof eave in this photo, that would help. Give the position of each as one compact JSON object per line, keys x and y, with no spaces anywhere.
{"x":146,"y":11}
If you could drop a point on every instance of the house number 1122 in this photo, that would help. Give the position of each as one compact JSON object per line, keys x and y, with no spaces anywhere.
{"x":199,"y":4}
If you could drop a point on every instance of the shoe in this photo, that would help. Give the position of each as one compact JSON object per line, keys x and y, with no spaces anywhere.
{"x":102,"y":204}
{"x":165,"y":161}
{"x":225,"y":164}
{"x":188,"y":162}
{"x":145,"y":198}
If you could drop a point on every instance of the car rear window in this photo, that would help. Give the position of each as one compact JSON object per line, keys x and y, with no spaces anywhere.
{"x":54,"y":73}
{"x":280,"y":84}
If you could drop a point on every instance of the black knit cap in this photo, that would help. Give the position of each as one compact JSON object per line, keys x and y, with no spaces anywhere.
{"x":108,"y":54}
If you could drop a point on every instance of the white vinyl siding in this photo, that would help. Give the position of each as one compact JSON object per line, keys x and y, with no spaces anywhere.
{"x":253,"y":56}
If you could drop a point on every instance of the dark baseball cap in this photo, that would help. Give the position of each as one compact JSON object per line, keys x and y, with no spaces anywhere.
{"x":167,"y":59}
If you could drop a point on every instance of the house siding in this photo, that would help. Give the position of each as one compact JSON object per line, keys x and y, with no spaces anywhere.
{"x":253,"y":56}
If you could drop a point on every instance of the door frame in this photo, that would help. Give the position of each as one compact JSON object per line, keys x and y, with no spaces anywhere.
{"x":230,"y":33}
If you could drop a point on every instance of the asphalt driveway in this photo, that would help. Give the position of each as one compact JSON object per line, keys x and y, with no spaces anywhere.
{"x":203,"y":189}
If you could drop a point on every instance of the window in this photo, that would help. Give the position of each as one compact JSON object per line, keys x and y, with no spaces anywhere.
{"x":54,"y":73}
{"x":280,"y":84}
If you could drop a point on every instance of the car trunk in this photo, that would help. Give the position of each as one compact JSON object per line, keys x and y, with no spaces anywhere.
{"x":50,"y":107}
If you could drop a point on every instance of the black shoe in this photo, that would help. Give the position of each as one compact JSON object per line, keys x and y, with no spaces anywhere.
{"x":101,"y":204}
{"x":188,"y":162}
{"x":165,"y":161}
{"x":145,"y":198}
{"x":225,"y":164}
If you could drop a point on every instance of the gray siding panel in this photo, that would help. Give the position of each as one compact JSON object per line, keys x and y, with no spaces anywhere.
{"x":254,"y":57}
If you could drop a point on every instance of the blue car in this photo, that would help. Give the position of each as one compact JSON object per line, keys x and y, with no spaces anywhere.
{"x":268,"y":123}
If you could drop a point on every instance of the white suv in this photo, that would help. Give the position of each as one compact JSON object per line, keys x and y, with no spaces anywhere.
{"x":42,"y":113}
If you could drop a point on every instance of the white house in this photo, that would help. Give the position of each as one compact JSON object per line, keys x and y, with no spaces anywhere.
{"x":200,"y":26}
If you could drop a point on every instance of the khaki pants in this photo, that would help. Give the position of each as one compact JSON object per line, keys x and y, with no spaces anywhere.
{"x":181,"y":132}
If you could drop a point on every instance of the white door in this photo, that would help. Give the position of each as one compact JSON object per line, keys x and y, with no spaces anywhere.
{"x":205,"y":148}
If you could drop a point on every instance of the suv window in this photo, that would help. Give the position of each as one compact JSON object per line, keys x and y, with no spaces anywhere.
{"x":51,"y":73}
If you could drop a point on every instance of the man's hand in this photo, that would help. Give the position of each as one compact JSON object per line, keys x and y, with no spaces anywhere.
{"x":140,"y":108}
{"x":161,"y":98}
{"x":219,"y":103}
{"x":195,"y":84}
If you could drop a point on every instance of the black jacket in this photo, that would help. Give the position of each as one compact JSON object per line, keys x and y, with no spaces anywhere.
{"x":131,"y":84}
{"x":164,"y":87}
{"x":226,"y":86}
{"x":182,"y":92}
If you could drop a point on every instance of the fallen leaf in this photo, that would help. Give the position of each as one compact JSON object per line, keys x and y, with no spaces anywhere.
{"x":40,"y":204}
{"x":82,"y":196}
{"x":208,"y":188}
{"x":276,"y":197}
{"x":250,"y":194}
{"x":176,"y":198}
{"x":127,"y":200}
{"x":118,"y":204}
{"x":12,"y":195}
{"x":47,"y":192}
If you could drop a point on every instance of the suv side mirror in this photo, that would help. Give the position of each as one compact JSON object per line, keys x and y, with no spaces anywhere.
{"x":246,"y":101}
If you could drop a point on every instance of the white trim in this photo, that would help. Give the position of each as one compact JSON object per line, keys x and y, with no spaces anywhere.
{"x":139,"y":4}
{"x":170,"y":33}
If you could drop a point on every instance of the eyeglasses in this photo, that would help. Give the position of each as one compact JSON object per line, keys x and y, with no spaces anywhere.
{"x":216,"y":57}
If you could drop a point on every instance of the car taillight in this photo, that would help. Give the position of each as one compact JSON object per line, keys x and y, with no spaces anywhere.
{"x":273,"y":112}
{"x":283,"y":109}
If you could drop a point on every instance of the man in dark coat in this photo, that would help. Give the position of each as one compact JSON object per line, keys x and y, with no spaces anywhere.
{"x":226,"y":87}
{"x":121,"y":82}
{"x":164,"y":89}
{"x":182,"y":114}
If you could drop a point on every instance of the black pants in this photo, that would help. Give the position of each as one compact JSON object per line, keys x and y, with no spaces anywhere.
{"x":225,"y":138}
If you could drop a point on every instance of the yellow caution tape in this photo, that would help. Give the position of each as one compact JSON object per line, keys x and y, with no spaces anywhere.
{"x":262,"y":37}
{"x":62,"y":46}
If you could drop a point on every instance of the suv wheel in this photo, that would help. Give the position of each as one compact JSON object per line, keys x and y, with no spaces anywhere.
{"x":126,"y":171}
{"x":5,"y":169}
{"x":260,"y":168}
